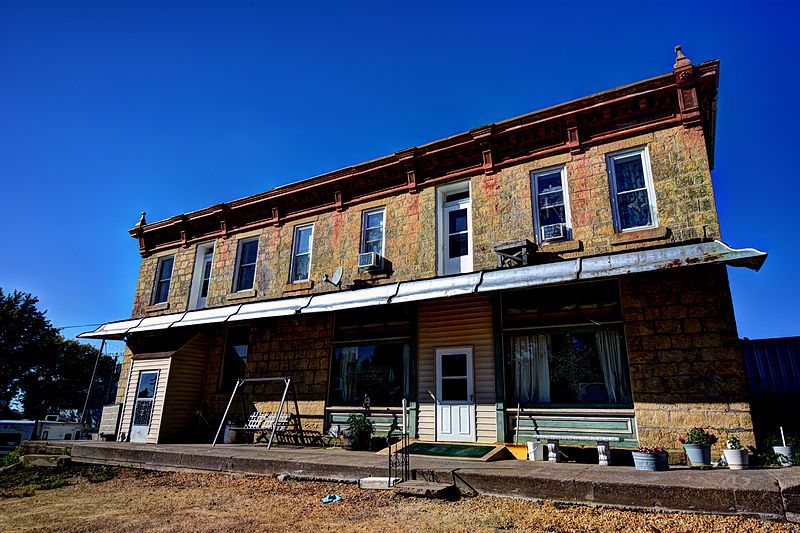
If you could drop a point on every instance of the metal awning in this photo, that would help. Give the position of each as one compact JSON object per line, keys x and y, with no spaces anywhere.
{"x":271,"y":308}
{"x":206,"y":316}
{"x":153,"y":323}
{"x":604,"y":266}
{"x":336,"y":301}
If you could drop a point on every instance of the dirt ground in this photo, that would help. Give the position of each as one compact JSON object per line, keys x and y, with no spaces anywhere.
{"x":108,"y":499}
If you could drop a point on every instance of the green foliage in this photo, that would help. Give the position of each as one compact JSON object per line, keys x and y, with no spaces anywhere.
{"x":9,"y":459}
{"x":734,"y":443}
{"x":39,"y":367}
{"x":359,"y":428}
{"x":698,"y":436}
{"x":26,"y":340}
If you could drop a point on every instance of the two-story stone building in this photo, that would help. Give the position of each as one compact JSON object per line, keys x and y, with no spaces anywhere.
{"x":608,"y":310}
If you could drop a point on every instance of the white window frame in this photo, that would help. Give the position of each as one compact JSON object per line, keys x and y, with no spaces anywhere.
{"x":537,"y":226}
{"x":644,"y":154}
{"x":158,"y":279}
{"x":441,"y":238}
{"x":197,"y":274}
{"x":239,"y":246}
{"x":364,"y":229}
{"x":298,"y":229}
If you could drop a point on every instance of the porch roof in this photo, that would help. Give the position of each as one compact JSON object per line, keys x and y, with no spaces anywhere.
{"x":581,"y":268}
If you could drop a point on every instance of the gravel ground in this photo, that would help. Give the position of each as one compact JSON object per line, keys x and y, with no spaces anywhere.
{"x":132,"y":500}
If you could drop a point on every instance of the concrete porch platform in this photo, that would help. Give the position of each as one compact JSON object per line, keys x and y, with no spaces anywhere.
{"x":769,"y":493}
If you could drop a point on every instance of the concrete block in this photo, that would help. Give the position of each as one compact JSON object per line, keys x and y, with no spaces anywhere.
{"x":426,"y":489}
{"x":378,"y":483}
{"x":35,"y":460}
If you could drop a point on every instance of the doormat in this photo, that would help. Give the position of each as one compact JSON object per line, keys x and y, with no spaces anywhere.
{"x":456,"y":451}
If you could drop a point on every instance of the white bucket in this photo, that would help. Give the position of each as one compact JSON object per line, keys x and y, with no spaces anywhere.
{"x":535,"y":451}
{"x":230,"y":435}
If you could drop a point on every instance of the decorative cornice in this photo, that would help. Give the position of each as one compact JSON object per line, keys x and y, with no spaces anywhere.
{"x":685,"y":96}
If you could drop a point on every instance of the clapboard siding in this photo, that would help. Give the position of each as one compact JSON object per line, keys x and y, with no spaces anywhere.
{"x":463,"y":321}
{"x":163,"y":367}
{"x":184,"y":389}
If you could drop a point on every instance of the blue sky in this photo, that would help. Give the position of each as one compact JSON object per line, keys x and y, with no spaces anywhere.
{"x":111,"y":108}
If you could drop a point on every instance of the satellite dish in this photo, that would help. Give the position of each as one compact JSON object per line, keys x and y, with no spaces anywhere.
{"x":336,"y":279}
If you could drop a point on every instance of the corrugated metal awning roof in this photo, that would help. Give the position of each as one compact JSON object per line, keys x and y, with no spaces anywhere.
{"x":585,"y":268}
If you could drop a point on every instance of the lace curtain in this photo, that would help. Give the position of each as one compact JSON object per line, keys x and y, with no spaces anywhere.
{"x":532,"y":369}
{"x":614,"y":375}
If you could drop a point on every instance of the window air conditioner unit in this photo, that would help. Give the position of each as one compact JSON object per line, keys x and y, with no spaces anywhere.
{"x":369,"y":262}
{"x":553,"y":232}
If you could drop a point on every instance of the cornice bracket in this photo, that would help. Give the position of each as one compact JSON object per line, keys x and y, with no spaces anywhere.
{"x":483,"y":136}
{"x":276,"y":216}
{"x":573,"y":136}
{"x":687,"y":92}
{"x":337,"y":200}
{"x":408,"y":158}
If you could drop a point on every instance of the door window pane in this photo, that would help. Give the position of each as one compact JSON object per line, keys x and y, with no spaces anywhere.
{"x":142,"y":412}
{"x":147,"y":385}
{"x":458,"y":220}
{"x":454,"y":390}
{"x":454,"y":364}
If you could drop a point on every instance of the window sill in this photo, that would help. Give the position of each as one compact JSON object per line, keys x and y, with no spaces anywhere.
{"x":241,"y":295}
{"x":298,"y":286}
{"x":561,"y":247}
{"x":641,"y":235}
{"x":157,"y":307}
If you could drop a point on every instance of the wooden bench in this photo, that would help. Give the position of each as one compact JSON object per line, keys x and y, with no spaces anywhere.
{"x":603,"y":449}
{"x":265,"y":421}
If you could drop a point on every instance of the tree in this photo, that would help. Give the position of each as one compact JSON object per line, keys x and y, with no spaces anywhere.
{"x":60,"y":383}
{"x":42,"y":370}
{"x":26,"y":340}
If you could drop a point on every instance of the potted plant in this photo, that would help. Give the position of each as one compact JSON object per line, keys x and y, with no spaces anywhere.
{"x":653,"y":458}
{"x":697,"y":445}
{"x":737,"y":457}
{"x":358,"y":432}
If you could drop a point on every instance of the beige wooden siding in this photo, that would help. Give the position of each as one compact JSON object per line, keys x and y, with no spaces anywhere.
{"x":184,"y":389}
{"x":464,"y":321}
{"x":163,"y":366}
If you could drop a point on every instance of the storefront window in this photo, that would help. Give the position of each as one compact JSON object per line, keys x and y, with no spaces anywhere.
{"x":374,"y":370}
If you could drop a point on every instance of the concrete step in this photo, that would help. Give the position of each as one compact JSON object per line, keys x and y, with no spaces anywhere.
{"x":427,"y":489}
{"x":377,"y":483}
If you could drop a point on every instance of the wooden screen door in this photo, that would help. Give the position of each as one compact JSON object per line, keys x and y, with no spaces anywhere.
{"x":455,"y":395}
{"x":143,"y":405}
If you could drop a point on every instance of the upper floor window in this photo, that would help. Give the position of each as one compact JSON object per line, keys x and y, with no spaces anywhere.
{"x":201,"y":278}
{"x":632,"y":194}
{"x":454,"y":208}
{"x":301,"y":253}
{"x":372,"y":231}
{"x":246,"y":256}
{"x":551,"y":216}
{"x":163,"y":277}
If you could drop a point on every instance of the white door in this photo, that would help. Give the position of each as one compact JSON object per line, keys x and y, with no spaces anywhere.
{"x":455,"y":395}
{"x":143,"y":405}
{"x":457,"y":236}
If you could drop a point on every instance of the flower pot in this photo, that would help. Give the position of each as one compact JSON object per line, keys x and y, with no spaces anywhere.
{"x":698,"y":454}
{"x":651,"y":461}
{"x":737,"y":459}
{"x":784,"y":455}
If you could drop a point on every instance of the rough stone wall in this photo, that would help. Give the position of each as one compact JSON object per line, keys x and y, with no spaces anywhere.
{"x":685,"y":357}
{"x":296,"y":347}
{"x":502,"y":211}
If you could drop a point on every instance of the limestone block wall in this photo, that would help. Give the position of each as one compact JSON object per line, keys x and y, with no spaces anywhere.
{"x":685,"y":357}
{"x":502,"y":211}
{"x":299,"y":348}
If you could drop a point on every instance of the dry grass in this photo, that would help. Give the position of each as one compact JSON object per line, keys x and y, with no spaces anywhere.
{"x":137,"y":501}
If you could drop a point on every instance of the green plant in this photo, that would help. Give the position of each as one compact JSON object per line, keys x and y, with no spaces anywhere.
{"x":698,"y":436}
{"x":9,"y":459}
{"x":359,"y":428}
{"x":734,"y":443}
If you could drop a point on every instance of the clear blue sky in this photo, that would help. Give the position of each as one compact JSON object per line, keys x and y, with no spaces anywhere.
{"x":108,"y":109}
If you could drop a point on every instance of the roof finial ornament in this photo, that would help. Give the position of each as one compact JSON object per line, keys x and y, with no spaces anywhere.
{"x":142,"y":220}
{"x":680,"y":59}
